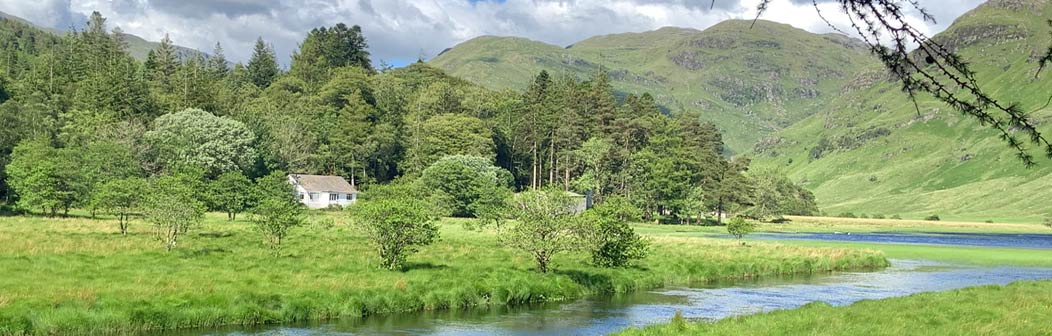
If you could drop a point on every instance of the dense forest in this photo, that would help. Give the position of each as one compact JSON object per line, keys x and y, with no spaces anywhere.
{"x":79,"y":112}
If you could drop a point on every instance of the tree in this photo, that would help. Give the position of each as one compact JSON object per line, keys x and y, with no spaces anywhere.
{"x":325,"y":49}
{"x":232,"y":193}
{"x":775,"y":195}
{"x":44,"y":177}
{"x":262,"y":68}
{"x":467,"y":184}
{"x":727,"y":187}
{"x":121,"y":198}
{"x":172,"y":207}
{"x":275,"y":216}
{"x":739,"y":227}
{"x":396,"y":226}
{"x":614,"y":242}
{"x":545,"y":226}
{"x":195,"y":138}
{"x":448,"y":134}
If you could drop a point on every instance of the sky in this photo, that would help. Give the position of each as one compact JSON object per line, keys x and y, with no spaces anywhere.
{"x":402,"y":31}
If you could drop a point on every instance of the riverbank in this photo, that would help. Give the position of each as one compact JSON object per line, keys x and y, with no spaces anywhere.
{"x":1019,"y":308}
{"x":79,"y":276}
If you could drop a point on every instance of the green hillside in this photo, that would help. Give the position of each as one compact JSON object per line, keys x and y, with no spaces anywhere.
{"x":751,"y":81}
{"x":871,"y":151}
{"x":137,"y":46}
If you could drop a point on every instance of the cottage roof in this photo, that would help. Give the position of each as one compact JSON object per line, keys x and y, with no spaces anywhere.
{"x":318,"y":183}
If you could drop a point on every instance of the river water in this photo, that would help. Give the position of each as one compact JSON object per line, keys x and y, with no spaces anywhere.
{"x":599,"y":316}
{"x":1013,"y":240}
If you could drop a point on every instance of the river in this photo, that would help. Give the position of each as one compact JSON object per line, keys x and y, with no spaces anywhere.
{"x":599,"y":316}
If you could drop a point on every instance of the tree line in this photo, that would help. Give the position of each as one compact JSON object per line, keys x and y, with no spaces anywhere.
{"x":88,"y":113}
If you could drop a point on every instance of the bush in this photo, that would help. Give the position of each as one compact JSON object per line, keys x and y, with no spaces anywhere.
{"x":398,"y":226}
{"x":862,"y":216}
{"x":545,"y":226}
{"x":895,"y":217}
{"x":466,"y":185}
{"x":990,"y":221}
{"x":846,"y":215}
{"x":932,"y":218}
{"x":614,"y":242}
{"x":739,"y":227}
{"x":878,"y":216}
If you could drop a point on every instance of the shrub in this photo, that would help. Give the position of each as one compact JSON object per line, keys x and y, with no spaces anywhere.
{"x":846,"y":215}
{"x":878,"y":216}
{"x":932,"y":218}
{"x":614,"y":242}
{"x":895,"y":217}
{"x":545,"y":226}
{"x":990,"y":221}
{"x":862,"y":216}
{"x":467,"y":185}
{"x":398,"y":226}
{"x":739,"y":227}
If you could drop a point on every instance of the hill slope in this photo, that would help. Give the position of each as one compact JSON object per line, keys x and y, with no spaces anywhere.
{"x":872,"y":152}
{"x":751,"y":81}
{"x":137,"y":46}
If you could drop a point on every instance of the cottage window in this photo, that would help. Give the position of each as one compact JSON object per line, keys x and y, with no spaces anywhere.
{"x":314,"y":196}
{"x":302,"y":196}
{"x":334,"y":197}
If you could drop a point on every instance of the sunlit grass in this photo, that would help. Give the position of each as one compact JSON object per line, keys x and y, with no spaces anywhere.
{"x":1021,"y":308}
{"x":80,"y":276}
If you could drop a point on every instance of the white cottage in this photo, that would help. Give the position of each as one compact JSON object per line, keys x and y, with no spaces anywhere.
{"x":320,"y":191}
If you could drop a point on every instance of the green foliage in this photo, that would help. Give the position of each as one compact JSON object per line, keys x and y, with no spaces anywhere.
{"x":466,"y":184}
{"x":398,"y":227}
{"x":895,"y":217}
{"x":43,"y":177}
{"x":775,"y":195}
{"x":615,"y":243}
{"x":327,"y":48}
{"x":121,"y":198}
{"x":262,"y":68}
{"x":545,"y":226}
{"x":739,"y":227}
{"x":195,"y":138}
{"x":232,"y":193}
{"x":173,"y":208}
{"x":448,"y":134}
{"x":932,"y":218}
{"x":274,"y":216}
{"x":848,"y":215}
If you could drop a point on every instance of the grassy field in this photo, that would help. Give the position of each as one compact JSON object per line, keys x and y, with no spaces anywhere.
{"x":1020,"y":308}
{"x":79,"y":276}
{"x":954,"y":254}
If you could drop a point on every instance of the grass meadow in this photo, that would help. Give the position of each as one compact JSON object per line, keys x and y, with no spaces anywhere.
{"x":1020,"y":308}
{"x":80,"y":276}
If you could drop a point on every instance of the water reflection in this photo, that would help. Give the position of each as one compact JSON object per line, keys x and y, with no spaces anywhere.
{"x":597,"y":316}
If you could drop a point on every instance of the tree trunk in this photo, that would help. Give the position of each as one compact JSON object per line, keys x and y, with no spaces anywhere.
{"x":536,"y":169}
{"x":719,"y":212}
{"x":566,"y":179}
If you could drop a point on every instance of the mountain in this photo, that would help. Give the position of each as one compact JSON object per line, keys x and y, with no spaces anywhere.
{"x":751,"y":80}
{"x":871,"y":151}
{"x":137,"y":46}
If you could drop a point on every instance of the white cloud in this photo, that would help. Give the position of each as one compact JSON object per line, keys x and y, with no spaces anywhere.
{"x":402,"y":30}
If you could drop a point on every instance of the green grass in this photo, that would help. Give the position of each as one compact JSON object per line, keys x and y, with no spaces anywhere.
{"x":954,"y":254}
{"x":1020,"y":308}
{"x":79,"y":276}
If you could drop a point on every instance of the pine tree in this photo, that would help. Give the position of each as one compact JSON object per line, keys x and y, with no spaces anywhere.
{"x":263,"y":66}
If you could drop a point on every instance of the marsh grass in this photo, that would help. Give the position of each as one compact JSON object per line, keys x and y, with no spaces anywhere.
{"x":80,"y":276}
{"x":1020,"y":308}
